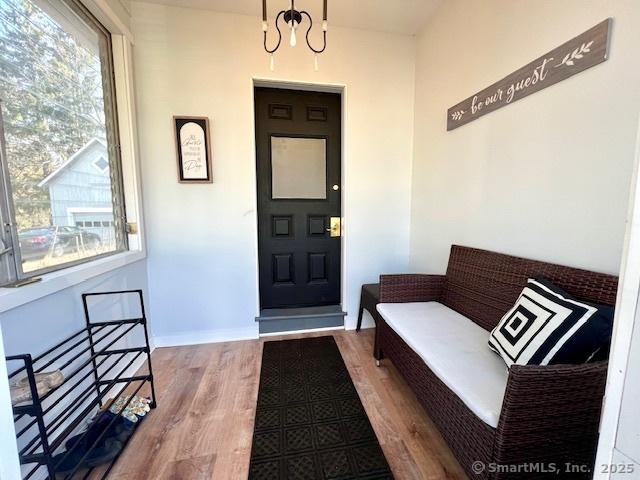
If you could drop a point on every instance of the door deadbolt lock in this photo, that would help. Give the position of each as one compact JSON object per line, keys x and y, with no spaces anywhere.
{"x":334,"y":228}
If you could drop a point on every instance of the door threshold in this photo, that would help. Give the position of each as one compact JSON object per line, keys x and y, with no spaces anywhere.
{"x":275,"y":320}
{"x":268,"y":314}
{"x":297,"y":332}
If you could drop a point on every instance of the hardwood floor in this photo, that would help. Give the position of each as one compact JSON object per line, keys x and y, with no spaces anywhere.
{"x":203,"y":425}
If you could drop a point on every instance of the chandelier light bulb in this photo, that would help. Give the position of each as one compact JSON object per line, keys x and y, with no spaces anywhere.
{"x":272,"y":63}
{"x":265,"y":26}
{"x":325,"y":26}
{"x":293,"y":40}
{"x":315,"y":62}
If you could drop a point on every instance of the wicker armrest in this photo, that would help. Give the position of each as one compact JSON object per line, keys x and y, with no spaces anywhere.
{"x":555,"y":405}
{"x":411,"y":288}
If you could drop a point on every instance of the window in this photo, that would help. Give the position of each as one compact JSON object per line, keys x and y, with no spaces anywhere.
{"x":61,"y":188}
{"x":298,"y":168}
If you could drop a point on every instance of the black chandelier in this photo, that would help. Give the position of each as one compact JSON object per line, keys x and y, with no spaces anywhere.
{"x":293,"y":18}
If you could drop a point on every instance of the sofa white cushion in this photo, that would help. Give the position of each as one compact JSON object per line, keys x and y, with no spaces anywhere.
{"x":455,"y":350}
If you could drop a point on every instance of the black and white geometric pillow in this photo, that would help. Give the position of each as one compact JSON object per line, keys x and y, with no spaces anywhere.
{"x":547,"y":326}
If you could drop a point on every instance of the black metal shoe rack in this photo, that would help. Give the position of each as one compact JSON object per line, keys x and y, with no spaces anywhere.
{"x":94,"y":371}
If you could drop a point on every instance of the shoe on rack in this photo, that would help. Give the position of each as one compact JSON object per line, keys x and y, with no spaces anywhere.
{"x":67,"y":461}
{"x":45,"y":382}
{"x":137,"y":407}
{"x":104,"y":454}
{"x":121,"y":429}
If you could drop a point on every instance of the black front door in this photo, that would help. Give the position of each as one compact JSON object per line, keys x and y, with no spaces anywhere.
{"x":298,"y":155}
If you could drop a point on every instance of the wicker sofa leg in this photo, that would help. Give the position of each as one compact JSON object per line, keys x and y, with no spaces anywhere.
{"x":360,"y":313}
{"x":377,"y":351}
{"x":378,"y":359}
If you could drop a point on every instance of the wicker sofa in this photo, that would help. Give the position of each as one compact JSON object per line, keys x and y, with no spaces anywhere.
{"x":548,"y":415}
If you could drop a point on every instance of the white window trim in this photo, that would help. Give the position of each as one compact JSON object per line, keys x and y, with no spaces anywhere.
{"x":103,"y":11}
{"x":53,"y":282}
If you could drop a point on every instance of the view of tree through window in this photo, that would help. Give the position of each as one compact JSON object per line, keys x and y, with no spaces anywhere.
{"x":53,"y":110}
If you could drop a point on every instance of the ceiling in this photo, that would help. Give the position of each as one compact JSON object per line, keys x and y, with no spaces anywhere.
{"x":399,"y":16}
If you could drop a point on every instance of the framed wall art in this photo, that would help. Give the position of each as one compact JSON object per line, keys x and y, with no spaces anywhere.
{"x":193,"y":147}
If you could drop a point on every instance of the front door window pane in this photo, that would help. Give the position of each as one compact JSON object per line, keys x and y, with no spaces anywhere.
{"x":298,"y":168}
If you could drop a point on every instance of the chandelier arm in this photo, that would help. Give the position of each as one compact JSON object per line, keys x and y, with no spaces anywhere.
{"x":324,"y":47}
{"x":279,"y":35}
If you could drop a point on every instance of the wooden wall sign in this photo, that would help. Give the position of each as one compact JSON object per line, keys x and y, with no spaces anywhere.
{"x":193,"y":149}
{"x":578,"y":54}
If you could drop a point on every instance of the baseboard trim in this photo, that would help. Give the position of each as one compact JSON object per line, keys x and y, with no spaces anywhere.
{"x":294,"y":332}
{"x":212,"y":336}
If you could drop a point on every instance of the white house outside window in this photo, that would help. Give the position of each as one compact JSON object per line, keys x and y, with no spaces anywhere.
{"x":62,"y":200}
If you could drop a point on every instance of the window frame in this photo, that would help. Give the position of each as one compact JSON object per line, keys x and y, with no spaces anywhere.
{"x":11,"y":271}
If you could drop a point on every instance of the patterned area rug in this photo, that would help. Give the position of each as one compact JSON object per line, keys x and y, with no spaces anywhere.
{"x":310,"y":423}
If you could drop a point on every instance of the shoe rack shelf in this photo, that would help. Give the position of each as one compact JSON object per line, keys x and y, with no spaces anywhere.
{"x":95,"y":369}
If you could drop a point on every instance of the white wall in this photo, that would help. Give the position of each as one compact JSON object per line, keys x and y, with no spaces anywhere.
{"x":36,"y":326}
{"x":202,"y":238}
{"x":546,"y":177}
